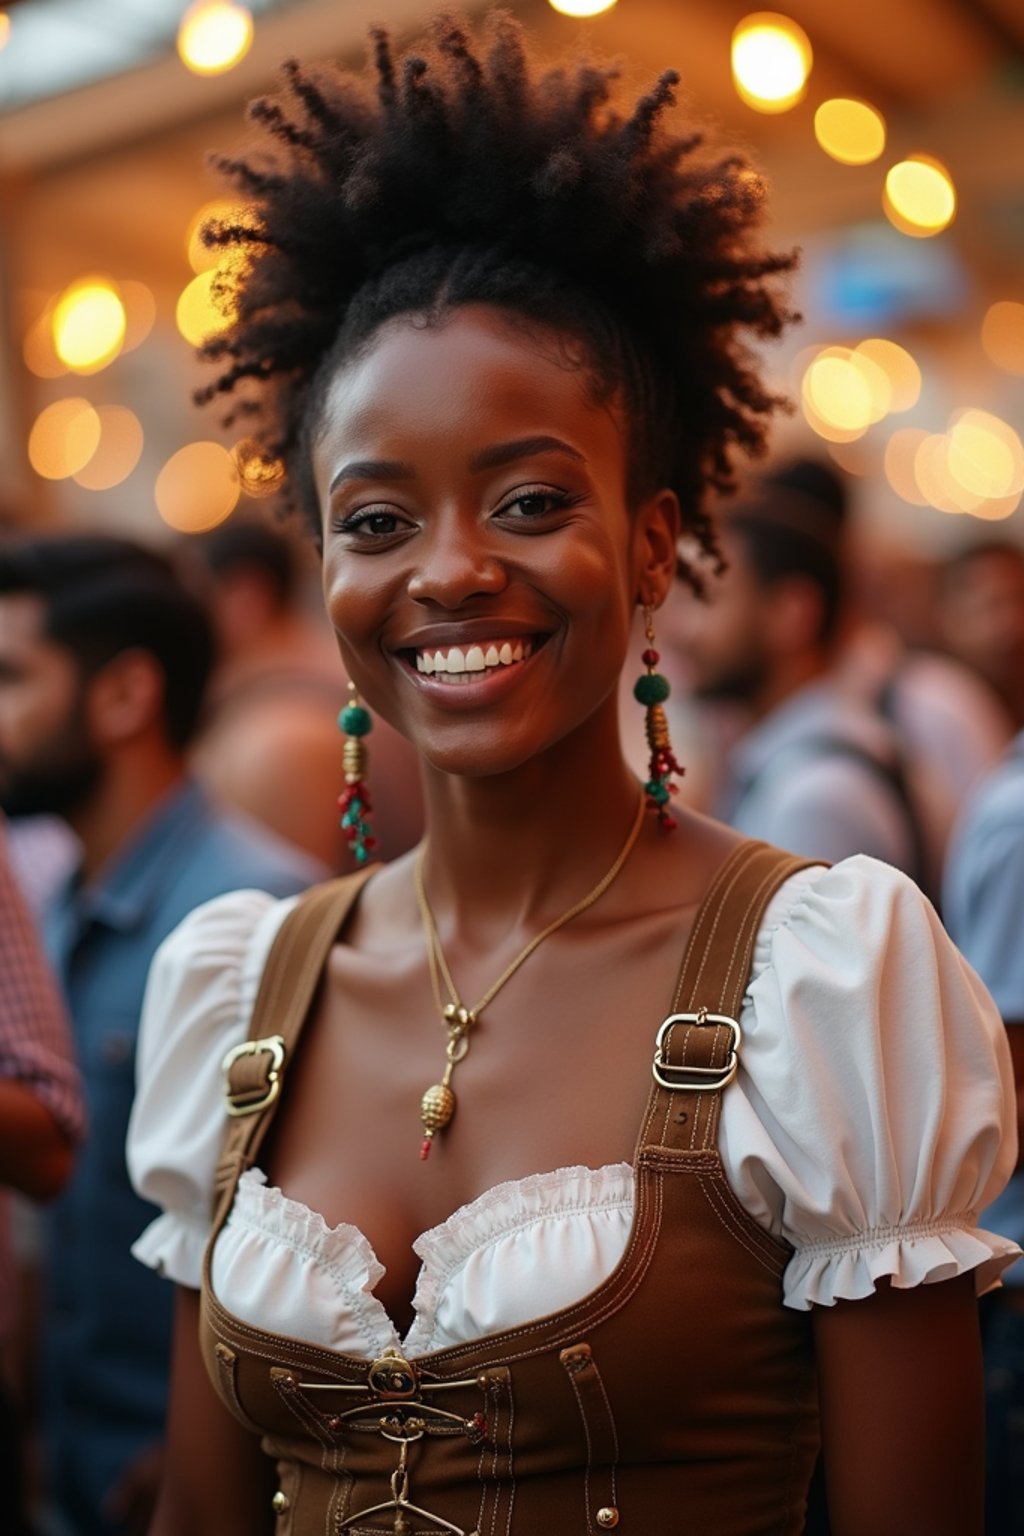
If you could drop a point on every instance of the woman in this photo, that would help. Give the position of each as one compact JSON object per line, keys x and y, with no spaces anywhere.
{"x":493,"y":330}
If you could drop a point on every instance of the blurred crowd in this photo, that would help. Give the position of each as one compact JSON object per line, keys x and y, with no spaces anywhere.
{"x":168,"y":732}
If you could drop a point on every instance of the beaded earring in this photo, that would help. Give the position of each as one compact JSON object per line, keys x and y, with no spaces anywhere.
{"x":354,"y":803}
{"x":651,"y":690}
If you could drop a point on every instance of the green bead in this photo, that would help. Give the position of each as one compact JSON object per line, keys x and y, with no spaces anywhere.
{"x":355,"y":720}
{"x":657,"y":790}
{"x":652,"y":688}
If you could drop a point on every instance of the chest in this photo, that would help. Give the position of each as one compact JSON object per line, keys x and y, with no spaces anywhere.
{"x":557,"y":1074}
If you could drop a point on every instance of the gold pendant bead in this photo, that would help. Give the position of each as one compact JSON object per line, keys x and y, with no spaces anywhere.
{"x":436,"y":1109}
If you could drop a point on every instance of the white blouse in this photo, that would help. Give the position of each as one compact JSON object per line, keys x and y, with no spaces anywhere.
{"x":871,"y":1118}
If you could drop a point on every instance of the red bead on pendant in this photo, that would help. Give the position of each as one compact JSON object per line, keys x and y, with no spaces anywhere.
{"x":425,"y":1149}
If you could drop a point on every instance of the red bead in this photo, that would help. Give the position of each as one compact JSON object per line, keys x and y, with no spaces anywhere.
{"x":425,"y":1149}
{"x":650,"y":658}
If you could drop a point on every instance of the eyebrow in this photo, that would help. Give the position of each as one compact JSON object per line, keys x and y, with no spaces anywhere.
{"x":494,"y":457}
{"x":373,"y":469}
{"x":522,"y":448}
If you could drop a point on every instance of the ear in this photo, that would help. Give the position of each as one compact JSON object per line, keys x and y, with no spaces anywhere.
{"x":126,"y":698}
{"x":657,"y":525}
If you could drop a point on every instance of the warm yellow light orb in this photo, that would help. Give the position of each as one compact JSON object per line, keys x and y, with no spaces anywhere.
{"x":581,"y":7}
{"x":140,"y":309}
{"x":38,"y":349}
{"x":203,"y":309}
{"x":63,"y":438}
{"x":89,"y":323}
{"x":214,"y":35}
{"x":899,"y":367}
{"x":197,"y":488}
{"x":771,"y":61}
{"x":1002,"y":334}
{"x":850,"y":131}
{"x":117,"y":453}
{"x":919,"y":197}
{"x":985,"y":456}
{"x":222,"y":210}
{"x":845,"y":391}
{"x":934,"y":481}
{"x":5,"y":28}
{"x":900,"y":462}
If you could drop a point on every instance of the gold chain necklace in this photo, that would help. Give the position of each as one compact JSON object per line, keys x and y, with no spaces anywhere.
{"x":438,"y":1103}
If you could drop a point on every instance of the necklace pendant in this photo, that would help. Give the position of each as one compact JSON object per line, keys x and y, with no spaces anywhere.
{"x":437,"y":1107}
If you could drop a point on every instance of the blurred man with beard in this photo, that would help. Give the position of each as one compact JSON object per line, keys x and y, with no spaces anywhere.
{"x":104,"y":656}
{"x":813,"y":770}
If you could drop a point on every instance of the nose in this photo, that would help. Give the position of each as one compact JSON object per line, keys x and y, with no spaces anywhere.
{"x":457,"y":563}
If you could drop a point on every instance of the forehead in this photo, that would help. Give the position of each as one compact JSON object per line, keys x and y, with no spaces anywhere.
{"x":475,"y":376}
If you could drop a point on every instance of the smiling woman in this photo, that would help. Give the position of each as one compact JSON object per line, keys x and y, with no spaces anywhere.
{"x":697,"y":1203}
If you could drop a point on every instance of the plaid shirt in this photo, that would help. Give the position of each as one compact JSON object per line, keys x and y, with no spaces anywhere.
{"x":35,"y":1046}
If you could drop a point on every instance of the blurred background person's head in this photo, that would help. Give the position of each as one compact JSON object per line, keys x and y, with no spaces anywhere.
{"x":982,"y":617}
{"x":104,"y":657}
{"x":772,"y":619}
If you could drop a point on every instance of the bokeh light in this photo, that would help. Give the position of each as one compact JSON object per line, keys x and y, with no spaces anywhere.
{"x":89,"y":323}
{"x":140,"y":313}
{"x":975,"y":467}
{"x":38,"y":350}
{"x":197,"y":488}
{"x":581,"y":7}
{"x":849,"y":130}
{"x":771,"y":61}
{"x":934,"y":481}
{"x":843,"y":393}
{"x":985,"y":455}
{"x":1002,"y":334}
{"x":204,"y":307}
{"x":117,"y":453}
{"x":259,"y":476}
{"x":5,"y":29}
{"x":919,"y":197}
{"x":63,"y":439}
{"x":899,"y":368}
{"x":900,"y":459}
{"x":222,"y":210}
{"x":214,"y":35}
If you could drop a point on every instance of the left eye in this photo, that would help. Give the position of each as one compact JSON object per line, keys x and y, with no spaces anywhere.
{"x":534,"y":503}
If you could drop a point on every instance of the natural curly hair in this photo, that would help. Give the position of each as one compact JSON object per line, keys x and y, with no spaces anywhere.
{"x":462,"y":175}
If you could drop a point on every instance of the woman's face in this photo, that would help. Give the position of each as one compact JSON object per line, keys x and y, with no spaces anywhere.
{"x":481,"y":564}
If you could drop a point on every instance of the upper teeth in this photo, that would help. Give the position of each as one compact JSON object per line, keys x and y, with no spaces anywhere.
{"x":474,"y":658}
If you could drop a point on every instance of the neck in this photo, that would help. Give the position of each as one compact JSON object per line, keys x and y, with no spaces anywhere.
{"x":124,"y":799}
{"x":513,"y":850}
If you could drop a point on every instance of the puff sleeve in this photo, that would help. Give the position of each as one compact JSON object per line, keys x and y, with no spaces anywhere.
{"x":874,"y":1115}
{"x":199,"y":999}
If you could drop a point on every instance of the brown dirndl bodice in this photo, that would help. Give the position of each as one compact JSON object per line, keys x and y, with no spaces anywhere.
{"x":677,"y":1397}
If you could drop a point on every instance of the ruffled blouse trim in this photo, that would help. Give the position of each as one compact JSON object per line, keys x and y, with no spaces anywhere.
{"x":577,"y":1193}
{"x":342,"y":1251}
{"x":173,"y":1244}
{"x":823,"y":1272}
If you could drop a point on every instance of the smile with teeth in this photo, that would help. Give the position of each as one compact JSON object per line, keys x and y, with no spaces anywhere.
{"x":458,"y":663}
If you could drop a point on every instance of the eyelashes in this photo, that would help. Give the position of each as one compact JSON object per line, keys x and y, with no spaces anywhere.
{"x":382,"y":524}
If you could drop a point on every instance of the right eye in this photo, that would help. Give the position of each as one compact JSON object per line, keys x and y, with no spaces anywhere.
{"x":369,"y":524}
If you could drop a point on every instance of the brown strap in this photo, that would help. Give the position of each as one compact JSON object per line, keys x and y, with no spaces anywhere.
{"x":698,"y":1052}
{"x":290,"y":978}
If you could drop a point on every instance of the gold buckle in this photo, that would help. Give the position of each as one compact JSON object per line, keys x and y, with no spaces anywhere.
{"x":696,"y":1079}
{"x":274,"y":1046}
